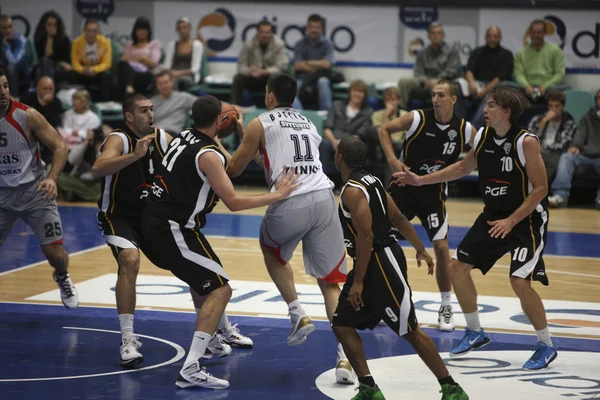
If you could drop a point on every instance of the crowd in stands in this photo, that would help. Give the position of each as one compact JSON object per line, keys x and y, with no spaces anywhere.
{"x":90,"y":69}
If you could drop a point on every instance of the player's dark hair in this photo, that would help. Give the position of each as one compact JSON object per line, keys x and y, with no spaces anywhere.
{"x":3,"y":73}
{"x":513,"y":99}
{"x":354,"y":151}
{"x":451,"y":86}
{"x":205,"y":111}
{"x":129,"y":102}
{"x":284,"y":87}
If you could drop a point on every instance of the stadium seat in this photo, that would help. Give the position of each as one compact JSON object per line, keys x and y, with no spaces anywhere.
{"x":578,"y":103}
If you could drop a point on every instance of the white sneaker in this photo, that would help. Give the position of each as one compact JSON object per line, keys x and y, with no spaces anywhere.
{"x":556,"y":201}
{"x":231,"y":335}
{"x":216,"y":348}
{"x":301,"y":328}
{"x":194,"y":376}
{"x":446,"y":318}
{"x":68,"y":293}
{"x":130,"y":355}
{"x":343,"y":372}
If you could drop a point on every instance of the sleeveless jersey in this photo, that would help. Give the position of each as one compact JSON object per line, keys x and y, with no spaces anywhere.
{"x":292,"y":140}
{"x":430,"y":146}
{"x":124,"y":192}
{"x":376,"y":196}
{"x":20,"y":160}
{"x":180,"y":191}
{"x":503,"y":182}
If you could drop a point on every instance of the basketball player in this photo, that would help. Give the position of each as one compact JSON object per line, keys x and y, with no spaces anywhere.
{"x":434,"y":140}
{"x":513,"y":185}
{"x":285,"y":137}
{"x":26,"y":191}
{"x":188,"y":184}
{"x":377,"y":287}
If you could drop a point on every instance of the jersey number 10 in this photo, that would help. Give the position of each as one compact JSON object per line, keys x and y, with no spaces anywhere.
{"x":298,"y":151}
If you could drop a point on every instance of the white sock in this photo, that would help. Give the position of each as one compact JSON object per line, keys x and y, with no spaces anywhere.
{"x":340,"y":352}
{"x":544,"y":337}
{"x":473,"y":321}
{"x":295,"y":309}
{"x":198,"y":347}
{"x":446,"y":298}
{"x":223,"y":321}
{"x":126,"y":322}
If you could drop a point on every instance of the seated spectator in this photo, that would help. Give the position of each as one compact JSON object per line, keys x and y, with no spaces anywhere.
{"x":262,"y":55}
{"x":436,"y":61}
{"x":171,"y":107}
{"x":392,"y":110}
{"x":183,"y":58}
{"x":53,"y":48}
{"x":76,"y":181}
{"x":582,"y":158}
{"x":91,"y":55}
{"x":313,"y":59}
{"x":45,"y":102}
{"x":15,"y":49}
{"x":139,"y":60}
{"x":555,"y":130}
{"x":79,"y":121}
{"x":540,"y":65}
{"x":487,"y":66}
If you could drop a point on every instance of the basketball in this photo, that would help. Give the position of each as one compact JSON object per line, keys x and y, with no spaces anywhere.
{"x":227,"y":118}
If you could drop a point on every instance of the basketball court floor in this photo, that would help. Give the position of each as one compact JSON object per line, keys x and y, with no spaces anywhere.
{"x":49,"y":352}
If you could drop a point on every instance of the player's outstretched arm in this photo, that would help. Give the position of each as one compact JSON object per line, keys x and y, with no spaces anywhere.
{"x":408,"y":231}
{"x":247,"y":150}
{"x":451,"y":173}
{"x":211,"y":166}
{"x":111,"y":159}
{"x":402,"y":123}
{"x":354,"y":199}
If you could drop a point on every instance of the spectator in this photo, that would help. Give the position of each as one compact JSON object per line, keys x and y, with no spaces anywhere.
{"x":45,"y":102}
{"x":487,"y":66}
{"x":555,"y":130}
{"x":539,"y":66}
{"x":171,"y":107}
{"x":79,"y":121}
{"x":582,"y":158}
{"x":53,"y":48}
{"x":91,"y":55}
{"x":139,"y":59}
{"x":183,"y":57}
{"x":313,"y":59}
{"x":436,"y":61}
{"x":392,"y":110}
{"x":15,"y":49}
{"x":262,"y":55}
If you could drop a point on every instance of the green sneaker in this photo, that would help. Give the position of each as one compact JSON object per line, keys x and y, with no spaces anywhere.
{"x":453,"y":392}
{"x":369,"y":393}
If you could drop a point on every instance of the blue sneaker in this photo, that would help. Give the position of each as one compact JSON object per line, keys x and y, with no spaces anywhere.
{"x":472,"y":340}
{"x":541,"y":358}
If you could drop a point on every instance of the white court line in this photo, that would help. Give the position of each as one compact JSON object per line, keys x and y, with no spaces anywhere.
{"x":177,"y":357}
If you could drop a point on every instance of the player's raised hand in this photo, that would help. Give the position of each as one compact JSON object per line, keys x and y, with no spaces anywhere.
{"x":141,"y":147}
{"x":423,"y":255}
{"x":287,"y":183}
{"x":407,"y":178}
{"x":48,"y":187}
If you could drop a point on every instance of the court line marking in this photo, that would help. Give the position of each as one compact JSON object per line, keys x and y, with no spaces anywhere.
{"x":177,"y":357}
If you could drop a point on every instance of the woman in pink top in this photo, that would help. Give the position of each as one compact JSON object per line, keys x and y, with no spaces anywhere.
{"x":139,"y":59}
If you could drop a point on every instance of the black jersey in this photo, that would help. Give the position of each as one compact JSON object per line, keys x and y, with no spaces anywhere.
{"x":123,"y":193}
{"x":503,"y":181}
{"x":180,"y":192}
{"x":376,"y":196}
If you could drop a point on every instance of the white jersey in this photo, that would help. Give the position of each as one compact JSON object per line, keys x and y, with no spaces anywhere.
{"x":292,"y":140}
{"x":20,"y":160}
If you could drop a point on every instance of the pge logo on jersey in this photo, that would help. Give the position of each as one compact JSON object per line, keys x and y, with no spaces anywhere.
{"x":219,"y":29}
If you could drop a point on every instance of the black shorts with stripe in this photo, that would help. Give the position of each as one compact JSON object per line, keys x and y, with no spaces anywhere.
{"x":185,"y":252}
{"x":386,"y":295}
{"x":428,"y":203}
{"x":120,"y":233}
{"x":525,"y":242}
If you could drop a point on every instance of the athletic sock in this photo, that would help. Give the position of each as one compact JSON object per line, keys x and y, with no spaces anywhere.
{"x":544,"y":337}
{"x":447,"y":381}
{"x":446,"y":298}
{"x":340,"y":352}
{"x":367,"y":380}
{"x":198,"y":347}
{"x":473,"y":321}
{"x":126,"y":322}
{"x":223,"y":321}
{"x":295,"y":309}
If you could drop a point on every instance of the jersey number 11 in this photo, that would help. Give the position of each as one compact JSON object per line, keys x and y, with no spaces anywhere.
{"x":298,"y":152}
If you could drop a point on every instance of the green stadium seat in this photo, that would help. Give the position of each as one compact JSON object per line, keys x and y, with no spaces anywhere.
{"x":578,"y":103}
